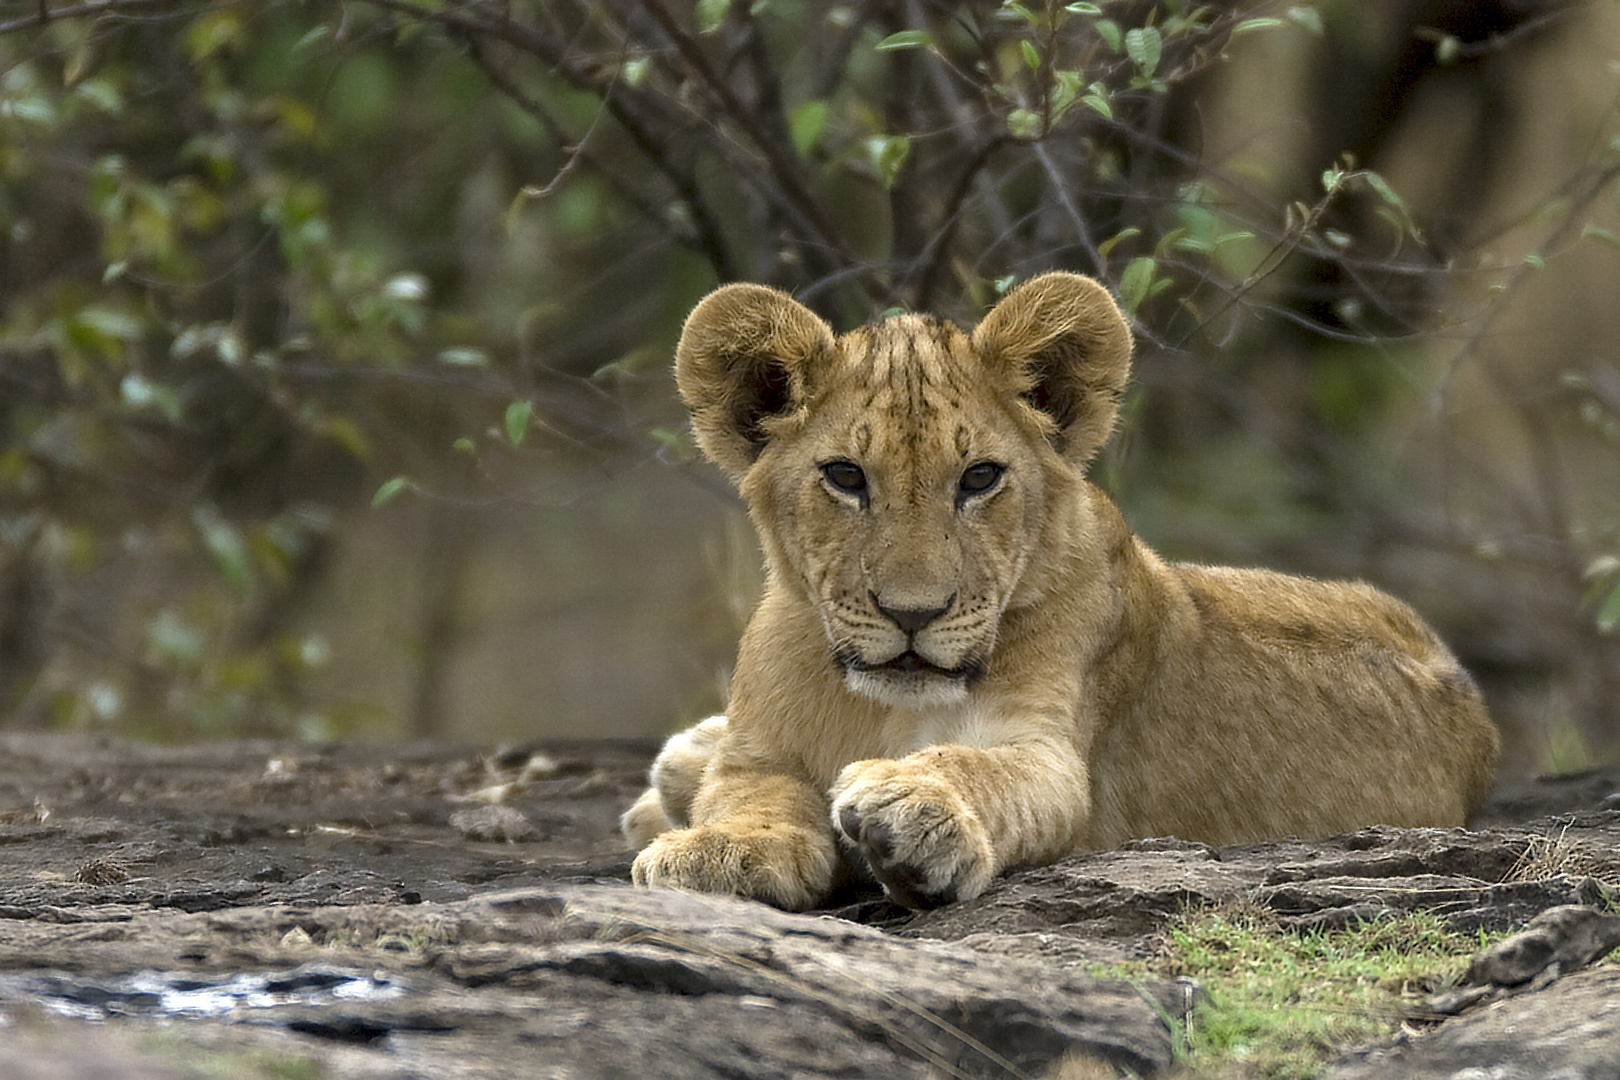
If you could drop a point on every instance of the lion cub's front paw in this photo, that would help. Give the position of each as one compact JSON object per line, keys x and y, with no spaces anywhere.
{"x":919,"y":836}
{"x":784,"y":865}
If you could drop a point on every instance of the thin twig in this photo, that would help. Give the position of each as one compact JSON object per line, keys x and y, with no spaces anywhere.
{"x":783,"y":169}
{"x":97,"y":8}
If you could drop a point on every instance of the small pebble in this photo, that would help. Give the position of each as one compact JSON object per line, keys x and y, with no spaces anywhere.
{"x":494,"y":824}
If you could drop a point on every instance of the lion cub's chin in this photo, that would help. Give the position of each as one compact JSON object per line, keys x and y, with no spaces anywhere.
{"x":906,"y":689}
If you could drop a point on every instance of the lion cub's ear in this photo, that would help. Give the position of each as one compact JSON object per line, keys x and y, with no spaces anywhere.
{"x":1066,"y":349}
{"x":743,"y":358}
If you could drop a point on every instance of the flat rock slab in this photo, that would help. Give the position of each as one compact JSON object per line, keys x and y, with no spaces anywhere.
{"x":591,"y":981}
{"x":1107,"y":905}
{"x":431,"y":910}
{"x":1568,"y":1031}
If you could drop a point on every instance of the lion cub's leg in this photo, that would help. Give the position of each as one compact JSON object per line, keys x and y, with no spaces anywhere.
{"x":935,"y":826}
{"x":674,"y":777}
{"x":758,"y":834}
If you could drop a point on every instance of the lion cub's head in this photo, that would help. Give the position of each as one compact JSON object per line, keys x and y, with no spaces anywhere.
{"x":904,"y":477}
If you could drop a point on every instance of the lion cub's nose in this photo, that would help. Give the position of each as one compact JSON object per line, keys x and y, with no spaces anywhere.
{"x":912,"y":620}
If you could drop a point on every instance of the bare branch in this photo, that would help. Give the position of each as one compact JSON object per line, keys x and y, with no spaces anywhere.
{"x":784,"y":169}
{"x":97,"y":8}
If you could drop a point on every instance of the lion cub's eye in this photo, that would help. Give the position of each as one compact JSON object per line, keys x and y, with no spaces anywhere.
{"x":978,"y":479}
{"x":845,"y":476}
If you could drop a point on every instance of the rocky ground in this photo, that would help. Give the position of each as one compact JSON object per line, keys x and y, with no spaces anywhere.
{"x":256,"y":909}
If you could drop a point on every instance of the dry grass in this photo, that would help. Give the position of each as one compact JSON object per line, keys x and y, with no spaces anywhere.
{"x":1550,"y":856}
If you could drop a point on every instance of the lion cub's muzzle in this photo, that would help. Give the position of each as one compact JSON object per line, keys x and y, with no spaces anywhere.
{"x":911,"y":660}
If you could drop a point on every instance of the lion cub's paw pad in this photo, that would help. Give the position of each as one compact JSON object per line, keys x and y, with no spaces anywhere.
{"x":905,"y":884}
{"x":922,"y":852}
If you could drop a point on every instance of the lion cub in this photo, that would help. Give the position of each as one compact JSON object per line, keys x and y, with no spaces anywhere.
{"x":964,"y":661}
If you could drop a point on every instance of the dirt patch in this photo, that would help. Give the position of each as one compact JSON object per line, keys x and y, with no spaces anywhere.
{"x":434,"y":910}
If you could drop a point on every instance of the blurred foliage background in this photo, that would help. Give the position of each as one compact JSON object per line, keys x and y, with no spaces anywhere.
{"x":334,"y":337}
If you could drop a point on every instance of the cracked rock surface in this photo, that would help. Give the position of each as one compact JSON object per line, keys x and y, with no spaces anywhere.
{"x":437,"y":911}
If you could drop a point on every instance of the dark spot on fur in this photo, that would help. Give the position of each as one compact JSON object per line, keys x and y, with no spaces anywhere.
{"x":875,"y":840}
{"x":1209,"y":609}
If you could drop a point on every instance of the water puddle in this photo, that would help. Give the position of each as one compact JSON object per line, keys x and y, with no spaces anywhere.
{"x":188,"y":995}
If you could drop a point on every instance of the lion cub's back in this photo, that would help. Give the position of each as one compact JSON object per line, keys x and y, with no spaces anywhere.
{"x":1290,"y":706}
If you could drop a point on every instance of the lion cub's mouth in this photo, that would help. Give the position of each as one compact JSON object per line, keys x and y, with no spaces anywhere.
{"x":911,"y":662}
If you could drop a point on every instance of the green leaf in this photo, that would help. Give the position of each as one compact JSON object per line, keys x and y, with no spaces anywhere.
{"x":101,"y":93}
{"x":1066,"y":89}
{"x":1024,"y":13}
{"x":888,"y":155}
{"x":1114,"y":241}
{"x":389,"y":490}
{"x":1024,"y":124}
{"x":1605,"y":568}
{"x":1601,"y":235}
{"x":1255,"y":24}
{"x":679,"y":442}
{"x":1098,"y":100}
{"x":170,"y":637}
{"x":1083,"y":9}
{"x":1109,"y":31}
{"x":1144,"y":46}
{"x":109,"y":322}
{"x":1031,"y":55}
{"x":311,"y":37}
{"x":464,"y":356}
{"x":465,"y":445}
{"x":138,"y":393}
{"x":1307,"y":16}
{"x":224,"y":542}
{"x":1608,"y":616}
{"x":805,"y":125}
{"x":634,"y":72}
{"x":517,"y":421}
{"x":905,"y":39}
{"x":1200,"y":224}
{"x":347,"y":434}
{"x":1534,"y":261}
{"x":219,"y":30}
{"x":1135,"y":282}
{"x":1384,"y":191}
{"x":412,"y":288}
{"x":711,"y":14}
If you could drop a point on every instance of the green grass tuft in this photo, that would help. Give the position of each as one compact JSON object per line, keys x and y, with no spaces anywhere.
{"x":1283,"y":1004}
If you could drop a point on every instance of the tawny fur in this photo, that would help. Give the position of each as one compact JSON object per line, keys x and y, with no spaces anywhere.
{"x":945,"y":680}
{"x":675,"y":776}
